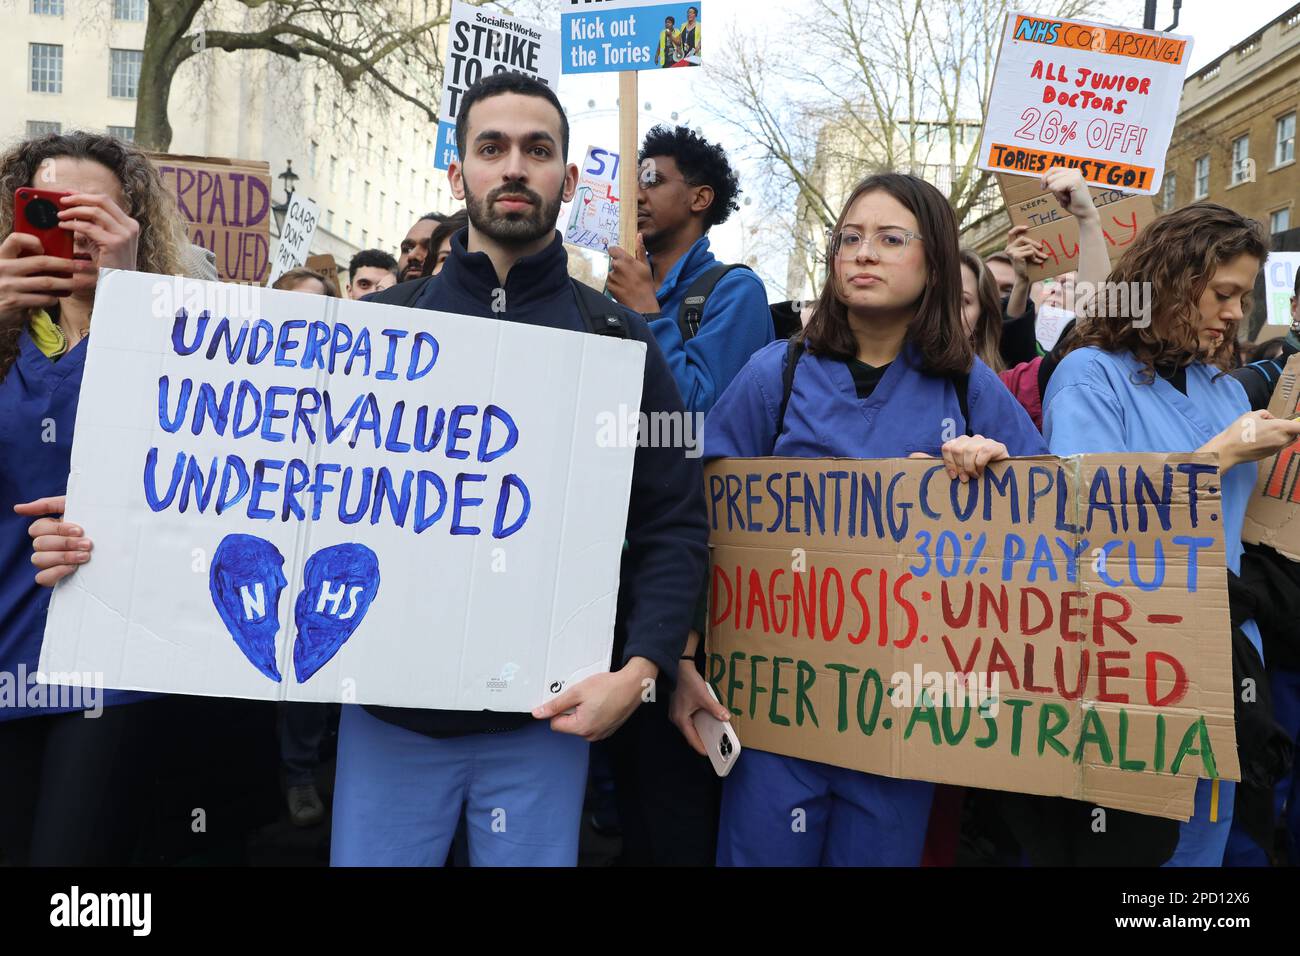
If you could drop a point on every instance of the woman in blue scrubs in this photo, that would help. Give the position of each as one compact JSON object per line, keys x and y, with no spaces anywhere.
{"x":69,"y":764}
{"x":886,"y":354}
{"x":1156,"y":383}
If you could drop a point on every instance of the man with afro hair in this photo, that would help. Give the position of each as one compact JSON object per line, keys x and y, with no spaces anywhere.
{"x":666,"y":789}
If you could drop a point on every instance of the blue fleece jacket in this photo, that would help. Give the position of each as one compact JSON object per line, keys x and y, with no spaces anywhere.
{"x":736,"y":323}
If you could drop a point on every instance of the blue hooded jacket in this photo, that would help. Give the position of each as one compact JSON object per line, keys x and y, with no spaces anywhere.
{"x":736,"y":323}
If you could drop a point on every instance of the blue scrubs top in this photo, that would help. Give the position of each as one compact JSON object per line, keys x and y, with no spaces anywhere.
{"x":909,"y":411}
{"x":38,"y":409}
{"x":1096,"y":403}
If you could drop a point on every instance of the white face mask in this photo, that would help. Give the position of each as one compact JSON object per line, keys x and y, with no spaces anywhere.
{"x":1048,"y":325}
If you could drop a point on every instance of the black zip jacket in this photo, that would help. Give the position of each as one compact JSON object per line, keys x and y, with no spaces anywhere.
{"x":667,"y":534}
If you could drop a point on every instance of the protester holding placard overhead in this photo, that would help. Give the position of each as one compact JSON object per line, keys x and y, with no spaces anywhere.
{"x":708,"y":318}
{"x":1155,"y":383}
{"x":405,"y":775}
{"x":883,"y":369}
{"x":72,"y":786}
{"x":1028,"y":379}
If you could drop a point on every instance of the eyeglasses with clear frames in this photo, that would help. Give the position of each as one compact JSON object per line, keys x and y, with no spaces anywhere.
{"x":887,"y":244}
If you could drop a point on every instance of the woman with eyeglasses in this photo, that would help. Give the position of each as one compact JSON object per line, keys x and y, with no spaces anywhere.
{"x":884,"y":369}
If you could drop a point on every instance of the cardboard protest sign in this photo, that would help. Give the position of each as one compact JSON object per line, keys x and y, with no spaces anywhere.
{"x":1273,"y":517}
{"x":325,"y":265}
{"x":1123,"y":216}
{"x":614,"y":36}
{"x":1085,"y":598}
{"x":481,"y":42}
{"x":299,"y":227}
{"x":593,"y":215}
{"x":1087,"y":95}
{"x":308,"y":498}
{"x":1279,"y":285}
{"x":226,"y":204}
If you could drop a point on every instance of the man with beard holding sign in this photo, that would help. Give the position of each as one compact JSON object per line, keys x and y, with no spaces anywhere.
{"x":404,"y":775}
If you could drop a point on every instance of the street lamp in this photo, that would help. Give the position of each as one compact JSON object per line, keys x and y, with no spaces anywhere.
{"x":288,"y":178}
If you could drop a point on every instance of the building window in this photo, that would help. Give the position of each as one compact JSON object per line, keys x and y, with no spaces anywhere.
{"x":329,"y":219}
{"x":47,"y":8}
{"x":1202,"y":177}
{"x":365,"y":238}
{"x":1285,"y":152}
{"x":1171,"y":188}
{"x":1279,"y":221}
{"x":129,"y":10}
{"x":46,"y":67}
{"x":124,"y":73}
{"x":37,"y":128}
{"x":347,"y":229}
{"x":334,"y":168}
{"x":125,"y":133}
{"x":1241,"y":160}
{"x":311,"y":156}
{"x":347,"y":176}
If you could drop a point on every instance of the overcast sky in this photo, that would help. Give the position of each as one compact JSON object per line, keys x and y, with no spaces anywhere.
{"x":1213,"y":25}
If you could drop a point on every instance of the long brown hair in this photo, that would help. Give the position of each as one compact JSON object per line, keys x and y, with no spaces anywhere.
{"x":162,"y":232}
{"x":986,"y":337}
{"x":936,"y":329}
{"x":1177,"y":254}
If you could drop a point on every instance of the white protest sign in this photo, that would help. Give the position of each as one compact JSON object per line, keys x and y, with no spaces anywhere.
{"x":611,"y":36}
{"x":1279,"y":285}
{"x":481,"y":42}
{"x":593,"y":215}
{"x":308,"y":498}
{"x":300,"y":221}
{"x":1048,"y":325}
{"x":1087,"y":95}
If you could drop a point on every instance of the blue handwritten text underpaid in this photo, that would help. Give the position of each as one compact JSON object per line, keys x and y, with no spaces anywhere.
{"x":287,"y":486}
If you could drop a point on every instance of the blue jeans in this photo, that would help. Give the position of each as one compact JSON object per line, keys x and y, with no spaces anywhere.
{"x":399,"y":795}
{"x":784,"y":811}
{"x":302,"y":726}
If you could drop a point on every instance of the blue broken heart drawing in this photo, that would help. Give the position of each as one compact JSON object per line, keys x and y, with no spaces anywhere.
{"x":339,"y":584}
{"x":247,"y":578}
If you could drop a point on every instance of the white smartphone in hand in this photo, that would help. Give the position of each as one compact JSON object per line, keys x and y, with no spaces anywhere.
{"x":720,"y":740}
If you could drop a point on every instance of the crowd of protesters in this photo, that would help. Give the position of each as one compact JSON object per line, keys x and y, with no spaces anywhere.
{"x":907,"y":328}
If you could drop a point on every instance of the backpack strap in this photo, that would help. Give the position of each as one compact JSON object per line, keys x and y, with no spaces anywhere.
{"x":598,"y":312}
{"x":691,"y":312}
{"x":794,"y":351}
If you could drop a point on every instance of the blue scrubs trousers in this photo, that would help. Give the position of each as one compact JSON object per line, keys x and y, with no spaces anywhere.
{"x":848,"y":818}
{"x":399,"y":795}
{"x":1242,"y":850}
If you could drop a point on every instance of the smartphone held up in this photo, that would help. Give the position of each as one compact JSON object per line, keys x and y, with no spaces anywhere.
{"x":36,"y":213}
